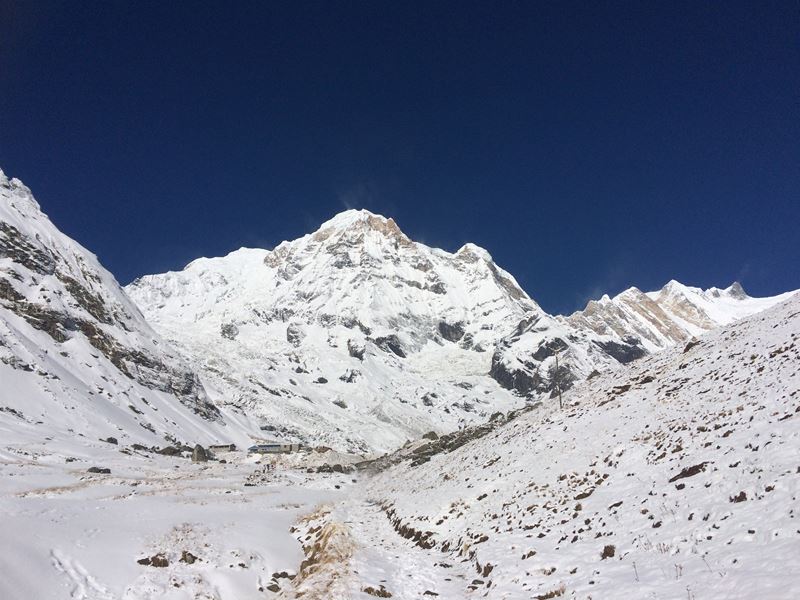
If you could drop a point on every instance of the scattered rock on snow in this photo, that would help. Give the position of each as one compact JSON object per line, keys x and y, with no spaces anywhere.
{"x":157,"y":560}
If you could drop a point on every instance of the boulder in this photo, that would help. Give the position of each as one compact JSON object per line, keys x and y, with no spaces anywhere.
{"x":199,"y":454}
{"x":159,"y":560}
{"x":295,"y":334}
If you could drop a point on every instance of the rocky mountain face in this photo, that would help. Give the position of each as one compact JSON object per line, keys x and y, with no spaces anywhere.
{"x":74,"y":350}
{"x":358,"y":337}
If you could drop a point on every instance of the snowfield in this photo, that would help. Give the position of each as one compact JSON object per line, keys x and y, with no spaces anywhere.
{"x":678,"y":477}
{"x":72,"y":534}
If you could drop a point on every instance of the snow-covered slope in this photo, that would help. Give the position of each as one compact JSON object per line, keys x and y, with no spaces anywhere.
{"x":353,"y":336}
{"x":356,"y":336}
{"x":676,"y":477}
{"x":76,"y":355}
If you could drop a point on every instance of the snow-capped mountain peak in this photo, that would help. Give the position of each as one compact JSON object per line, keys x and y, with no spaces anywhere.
{"x":356,"y":295}
{"x":408,"y":337}
{"x":360,"y":220}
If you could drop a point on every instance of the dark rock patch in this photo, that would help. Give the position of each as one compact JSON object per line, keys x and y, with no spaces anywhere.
{"x":628,"y":351}
{"x":199,"y":454}
{"x":390,"y":343}
{"x":689,"y":472}
{"x":229,"y":331}
{"x":355,"y":349}
{"x":549,"y":348}
{"x":452,"y":332}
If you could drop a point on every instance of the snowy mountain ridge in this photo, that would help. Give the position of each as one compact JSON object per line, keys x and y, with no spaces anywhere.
{"x":352,"y":336}
{"x":75,"y":353}
{"x":401,"y":334}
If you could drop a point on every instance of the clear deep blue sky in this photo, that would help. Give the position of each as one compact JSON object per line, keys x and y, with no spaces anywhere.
{"x":588,"y":148}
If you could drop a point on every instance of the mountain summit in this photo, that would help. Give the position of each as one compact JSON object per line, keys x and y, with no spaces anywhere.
{"x":351,"y":335}
{"x":358,"y":337}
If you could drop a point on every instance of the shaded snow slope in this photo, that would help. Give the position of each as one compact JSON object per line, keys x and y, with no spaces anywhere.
{"x":676,"y":477}
{"x":76,"y":355}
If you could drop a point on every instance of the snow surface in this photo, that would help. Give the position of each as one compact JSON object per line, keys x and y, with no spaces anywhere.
{"x":529,"y":509}
{"x":71,"y":534}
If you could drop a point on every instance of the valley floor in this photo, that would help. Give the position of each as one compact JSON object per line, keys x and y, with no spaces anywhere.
{"x":67,"y":533}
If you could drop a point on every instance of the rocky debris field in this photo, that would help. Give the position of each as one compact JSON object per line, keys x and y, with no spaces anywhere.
{"x":677,"y":478}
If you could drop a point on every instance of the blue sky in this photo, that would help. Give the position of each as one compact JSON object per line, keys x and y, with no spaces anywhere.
{"x":588,"y":146}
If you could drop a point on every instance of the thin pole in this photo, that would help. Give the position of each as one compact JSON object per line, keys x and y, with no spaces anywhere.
{"x":558,"y":384}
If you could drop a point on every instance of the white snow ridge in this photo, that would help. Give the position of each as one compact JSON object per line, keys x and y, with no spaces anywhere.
{"x":422,"y":387}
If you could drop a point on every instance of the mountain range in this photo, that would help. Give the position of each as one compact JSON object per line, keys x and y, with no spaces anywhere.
{"x":354,"y":337}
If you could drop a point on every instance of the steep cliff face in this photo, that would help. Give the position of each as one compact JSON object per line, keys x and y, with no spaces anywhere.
{"x":73,"y":347}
